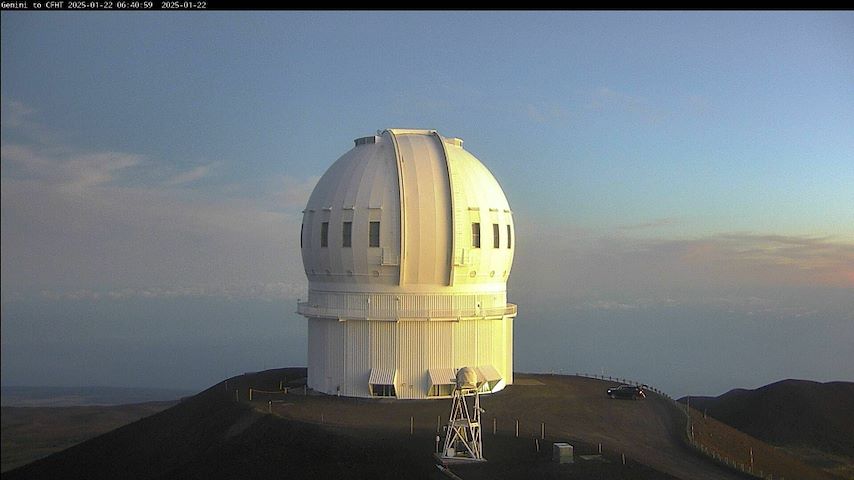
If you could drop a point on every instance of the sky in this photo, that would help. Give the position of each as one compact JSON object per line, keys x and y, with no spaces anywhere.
{"x":682,"y":184}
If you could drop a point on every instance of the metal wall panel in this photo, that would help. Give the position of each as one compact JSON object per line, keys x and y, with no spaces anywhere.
{"x":508,"y":339}
{"x":334,"y":361}
{"x":313,"y":352}
{"x":358,"y":357}
{"x":342,"y":354}
{"x":440,"y":344}
{"x":383,"y":336}
{"x":465,"y":343}
{"x":411,"y":359}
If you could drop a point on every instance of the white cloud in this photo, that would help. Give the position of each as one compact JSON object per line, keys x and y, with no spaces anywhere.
{"x":97,"y":224}
{"x":15,"y":114}
{"x":72,"y":171}
{"x":190,"y":176}
{"x":624,"y":266}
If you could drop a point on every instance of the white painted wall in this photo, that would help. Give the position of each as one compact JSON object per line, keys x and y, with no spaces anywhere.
{"x":342,"y":353}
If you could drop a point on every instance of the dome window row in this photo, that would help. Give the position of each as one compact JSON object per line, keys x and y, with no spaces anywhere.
{"x":374,"y":235}
{"x":496,"y":238}
{"x":346,"y":235}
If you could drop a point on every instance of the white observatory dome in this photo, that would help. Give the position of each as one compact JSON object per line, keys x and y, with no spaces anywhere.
{"x":424,"y":193}
{"x":406,"y":238}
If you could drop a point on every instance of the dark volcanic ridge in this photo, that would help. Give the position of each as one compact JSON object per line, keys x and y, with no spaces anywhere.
{"x":794,"y":413}
{"x":30,"y":433}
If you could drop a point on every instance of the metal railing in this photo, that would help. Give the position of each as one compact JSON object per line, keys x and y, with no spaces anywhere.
{"x":690,"y":438}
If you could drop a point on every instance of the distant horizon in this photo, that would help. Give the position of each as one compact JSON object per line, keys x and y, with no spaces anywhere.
{"x":86,"y":396}
{"x":616,"y":378}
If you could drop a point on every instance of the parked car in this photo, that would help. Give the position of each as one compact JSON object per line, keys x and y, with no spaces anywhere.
{"x":630,"y":392}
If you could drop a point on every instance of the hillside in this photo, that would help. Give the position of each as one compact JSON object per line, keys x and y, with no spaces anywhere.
{"x":797,"y":413}
{"x":30,"y":433}
{"x":17,"y":396}
{"x":219,"y":433}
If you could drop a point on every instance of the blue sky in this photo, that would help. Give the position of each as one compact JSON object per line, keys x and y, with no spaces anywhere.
{"x":652,"y":159}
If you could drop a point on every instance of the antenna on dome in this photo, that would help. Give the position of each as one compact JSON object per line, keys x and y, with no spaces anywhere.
{"x":463,"y":443}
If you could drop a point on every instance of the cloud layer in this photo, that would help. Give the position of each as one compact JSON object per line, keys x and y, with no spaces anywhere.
{"x":120,"y":223}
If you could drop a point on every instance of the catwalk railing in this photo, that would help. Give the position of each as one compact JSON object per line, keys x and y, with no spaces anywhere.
{"x":308,"y":310}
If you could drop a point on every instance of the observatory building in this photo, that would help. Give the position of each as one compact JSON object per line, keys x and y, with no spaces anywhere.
{"x":407,"y":242}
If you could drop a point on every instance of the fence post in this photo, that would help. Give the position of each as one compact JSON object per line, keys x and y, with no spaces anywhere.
{"x":543,"y":430}
{"x":517,"y":427}
{"x":494,"y":424}
{"x":411,"y":425}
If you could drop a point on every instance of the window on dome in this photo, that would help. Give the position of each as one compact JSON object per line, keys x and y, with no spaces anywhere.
{"x":475,"y":235}
{"x":324,"y":234}
{"x":509,"y":237}
{"x":301,"y":229}
{"x":495,"y":239}
{"x":347,"y":234}
{"x":374,"y":236}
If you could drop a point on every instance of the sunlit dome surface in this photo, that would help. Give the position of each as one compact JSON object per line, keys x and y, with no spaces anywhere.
{"x":407,"y":242}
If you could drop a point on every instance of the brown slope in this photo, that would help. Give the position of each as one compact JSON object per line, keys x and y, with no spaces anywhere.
{"x":749,"y":454}
{"x":794,"y":413}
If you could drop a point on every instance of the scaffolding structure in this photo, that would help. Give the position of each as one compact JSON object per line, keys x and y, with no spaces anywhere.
{"x":463,"y":441}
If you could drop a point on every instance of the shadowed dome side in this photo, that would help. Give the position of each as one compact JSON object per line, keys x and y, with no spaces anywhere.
{"x":360,"y":188}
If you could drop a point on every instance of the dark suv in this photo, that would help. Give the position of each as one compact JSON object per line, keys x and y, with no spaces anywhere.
{"x":630,"y":392}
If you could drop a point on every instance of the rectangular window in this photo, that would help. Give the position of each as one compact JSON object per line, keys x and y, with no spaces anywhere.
{"x":301,"y":229}
{"x":495,"y":240}
{"x":509,"y":237}
{"x":475,"y":235}
{"x":324,"y":234}
{"x":374,"y":240}
{"x":347,"y":235}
